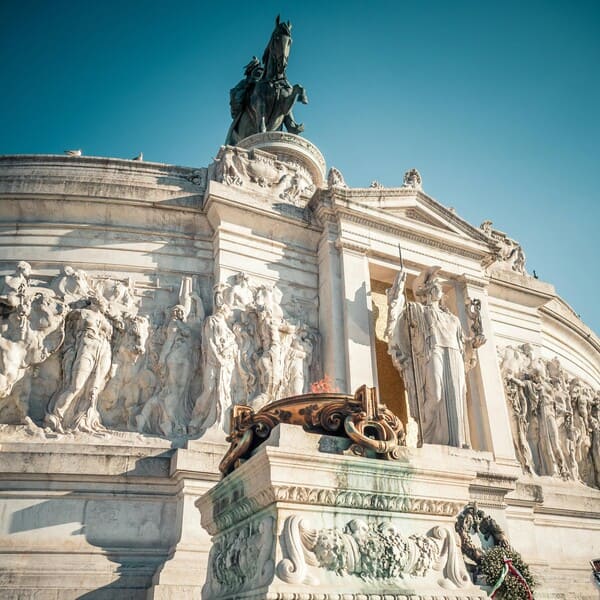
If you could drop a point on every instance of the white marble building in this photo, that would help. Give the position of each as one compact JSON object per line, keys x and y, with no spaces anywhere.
{"x":141,"y":301}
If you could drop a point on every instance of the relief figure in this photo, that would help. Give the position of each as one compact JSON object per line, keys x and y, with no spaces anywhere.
{"x":176,"y":364}
{"x":85,"y":368}
{"x":219,"y":349}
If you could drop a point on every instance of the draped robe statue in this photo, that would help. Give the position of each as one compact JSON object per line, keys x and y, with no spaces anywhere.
{"x":427,"y":345}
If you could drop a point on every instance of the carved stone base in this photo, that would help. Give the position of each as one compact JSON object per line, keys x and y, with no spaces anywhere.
{"x":290,"y":148}
{"x":302,"y":519}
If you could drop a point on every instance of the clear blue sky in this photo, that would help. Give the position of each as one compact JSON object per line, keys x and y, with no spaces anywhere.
{"x":496,"y":103}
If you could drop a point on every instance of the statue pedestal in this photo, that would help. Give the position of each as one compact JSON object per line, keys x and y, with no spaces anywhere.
{"x":290,"y":148}
{"x":302,"y":519}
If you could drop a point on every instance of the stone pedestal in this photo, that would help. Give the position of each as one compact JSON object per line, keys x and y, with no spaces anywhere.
{"x":303,"y":519}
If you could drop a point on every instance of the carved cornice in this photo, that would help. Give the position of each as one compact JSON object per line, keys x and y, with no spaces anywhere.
{"x":488,"y":497}
{"x":357,"y":596}
{"x":358,"y":194}
{"x":405,"y":233}
{"x":237,"y":511}
{"x":480,"y":283}
{"x":324,"y":208}
{"x":551,"y":512}
{"x":228,"y":511}
{"x":342,"y":244}
{"x":366,"y":500}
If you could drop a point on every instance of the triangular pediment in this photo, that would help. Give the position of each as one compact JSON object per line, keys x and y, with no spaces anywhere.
{"x":417,"y":213}
{"x":414,"y":206}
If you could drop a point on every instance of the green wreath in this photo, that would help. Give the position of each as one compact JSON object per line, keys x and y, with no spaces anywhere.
{"x":492,"y":566}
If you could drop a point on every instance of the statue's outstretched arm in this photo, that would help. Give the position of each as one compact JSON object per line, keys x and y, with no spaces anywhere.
{"x":396,"y":303}
{"x":185,"y":295}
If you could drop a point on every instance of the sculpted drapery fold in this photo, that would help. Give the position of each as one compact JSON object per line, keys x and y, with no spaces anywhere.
{"x":173,"y":372}
{"x":429,"y":348}
{"x":554,"y":416}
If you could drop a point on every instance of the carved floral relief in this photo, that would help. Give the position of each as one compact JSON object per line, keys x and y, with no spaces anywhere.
{"x":372,"y":551}
{"x":241,"y":559}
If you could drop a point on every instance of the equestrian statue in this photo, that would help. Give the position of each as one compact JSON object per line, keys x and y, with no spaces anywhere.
{"x":263,"y":100}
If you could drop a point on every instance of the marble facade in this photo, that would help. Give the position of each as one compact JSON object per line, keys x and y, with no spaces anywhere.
{"x":141,"y":301}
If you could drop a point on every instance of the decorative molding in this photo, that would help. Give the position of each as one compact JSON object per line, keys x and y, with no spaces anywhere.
{"x":352,"y":246}
{"x":359,"y":596}
{"x":232,"y":506}
{"x":366,"y":500}
{"x":404,"y":233}
{"x":358,"y":194}
{"x":417,"y":215}
{"x":238,"y":510}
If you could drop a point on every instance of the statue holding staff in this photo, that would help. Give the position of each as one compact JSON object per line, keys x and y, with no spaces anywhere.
{"x":428,"y":347}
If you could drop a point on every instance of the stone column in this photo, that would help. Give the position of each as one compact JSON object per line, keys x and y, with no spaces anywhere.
{"x":490,"y":425}
{"x":359,"y":338}
{"x":331,"y":316}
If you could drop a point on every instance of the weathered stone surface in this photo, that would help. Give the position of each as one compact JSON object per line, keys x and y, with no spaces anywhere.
{"x":154,"y":262}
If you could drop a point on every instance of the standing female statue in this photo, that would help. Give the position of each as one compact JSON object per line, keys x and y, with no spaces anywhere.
{"x":85,"y":368}
{"x":219,"y":353}
{"x":427,"y":345}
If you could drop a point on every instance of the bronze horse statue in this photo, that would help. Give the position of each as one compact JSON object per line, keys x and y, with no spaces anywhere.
{"x":263,"y":100}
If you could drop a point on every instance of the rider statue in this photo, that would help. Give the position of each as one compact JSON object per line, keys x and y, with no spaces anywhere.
{"x":263,"y":100}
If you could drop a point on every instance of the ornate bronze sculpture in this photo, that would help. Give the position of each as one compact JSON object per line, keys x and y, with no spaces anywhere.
{"x":374,"y":430}
{"x":263,"y":100}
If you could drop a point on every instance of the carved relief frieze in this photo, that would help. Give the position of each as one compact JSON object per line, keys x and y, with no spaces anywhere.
{"x":235,"y":505}
{"x":259,"y":170}
{"x":169,"y":369}
{"x":555,"y":418}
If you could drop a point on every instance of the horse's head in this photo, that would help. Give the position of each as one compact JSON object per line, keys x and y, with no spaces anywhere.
{"x":275,"y":56}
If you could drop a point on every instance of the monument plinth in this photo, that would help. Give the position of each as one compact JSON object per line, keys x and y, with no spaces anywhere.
{"x":302,"y":518}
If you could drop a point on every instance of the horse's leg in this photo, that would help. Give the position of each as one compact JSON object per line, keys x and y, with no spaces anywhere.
{"x":291,"y":125}
{"x":288,"y":118}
